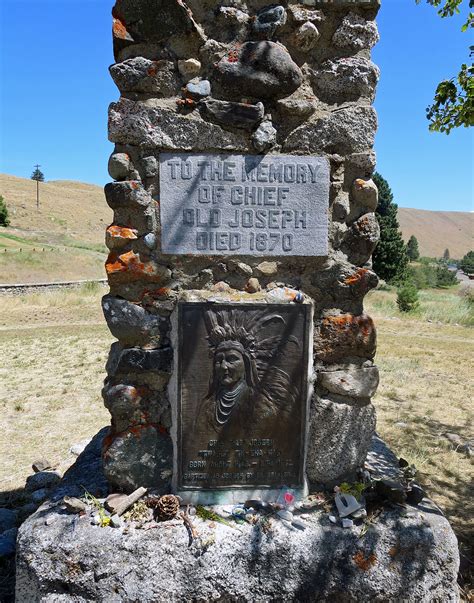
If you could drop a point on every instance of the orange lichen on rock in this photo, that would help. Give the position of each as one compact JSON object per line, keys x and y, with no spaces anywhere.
{"x":134,"y":431}
{"x":364,"y":563}
{"x":160,"y":293}
{"x":118,"y":236}
{"x":357,"y":277}
{"x":360,"y":183}
{"x":128,"y":267}
{"x":120,"y":31}
{"x":345,"y":335}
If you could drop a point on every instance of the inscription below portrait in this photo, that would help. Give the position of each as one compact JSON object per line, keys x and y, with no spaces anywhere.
{"x":242,"y":395}
{"x":245,"y":205}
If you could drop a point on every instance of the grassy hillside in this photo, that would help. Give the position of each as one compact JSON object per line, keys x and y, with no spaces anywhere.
{"x":438,"y":230}
{"x":62,"y":240}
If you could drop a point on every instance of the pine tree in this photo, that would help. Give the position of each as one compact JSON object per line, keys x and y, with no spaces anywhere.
{"x":390,"y":259}
{"x":412,"y":249}
{"x":4,"y":219}
{"x":39,"y":177}
{"x":37,"y":174}
{"x":467,"y":263}
{"x":446,"y":255}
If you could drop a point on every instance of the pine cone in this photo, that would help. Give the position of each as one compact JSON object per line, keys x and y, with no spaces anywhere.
{"x":167,"y":507}
{"x":152,"y":501}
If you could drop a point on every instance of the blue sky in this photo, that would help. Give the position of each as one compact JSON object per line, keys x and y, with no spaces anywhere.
{"x":55,"y":90}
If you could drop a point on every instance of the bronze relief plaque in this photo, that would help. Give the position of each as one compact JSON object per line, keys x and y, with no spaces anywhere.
{"x":242,"y":395}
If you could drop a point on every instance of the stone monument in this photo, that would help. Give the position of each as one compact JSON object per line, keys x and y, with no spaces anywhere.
{"x":244,"y":213}
{"x":240,"y":255}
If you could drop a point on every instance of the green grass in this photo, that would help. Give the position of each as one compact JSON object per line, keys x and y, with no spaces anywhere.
{"x":447,"y":306}
{"x":17,"y":239}
{"x":62,"y":241}
{"x":97,"y":247}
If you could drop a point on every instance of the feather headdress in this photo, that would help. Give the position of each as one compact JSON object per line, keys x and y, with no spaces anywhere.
{"x":243,"y":330}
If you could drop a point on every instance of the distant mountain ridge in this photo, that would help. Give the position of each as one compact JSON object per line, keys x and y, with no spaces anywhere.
{"x":438,"y":230}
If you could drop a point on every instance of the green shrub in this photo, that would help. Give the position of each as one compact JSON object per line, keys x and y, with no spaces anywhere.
{"x":423,"y":275}
{"x":4,"y":219}
{"x":407,"y":298}
{"x":445,"y":277}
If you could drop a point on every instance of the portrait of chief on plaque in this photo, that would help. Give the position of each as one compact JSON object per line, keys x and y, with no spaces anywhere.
{"x":243,"y":393}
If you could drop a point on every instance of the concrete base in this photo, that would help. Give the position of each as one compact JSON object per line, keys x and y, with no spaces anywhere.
{"x":405,"y":555}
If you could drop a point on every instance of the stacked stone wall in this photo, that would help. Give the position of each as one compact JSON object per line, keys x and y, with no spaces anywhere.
{"x":250,"y":78}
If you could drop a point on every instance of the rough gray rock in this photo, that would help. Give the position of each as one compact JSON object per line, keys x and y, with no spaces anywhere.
{"x":189,"y":68}
{"x":142,"y":75}
{"x":150,"y":166}
{"x":131,"y":323}
{"x":262,"y":70}
{"x":7,"y":519}
{"x":152,"y":125}
{"x":365,"y":193}
{"x":42,"y":479}
{"x":73,"y":504}
{"x":120,"y":166}
{"x":138,"y":360}
{"x":354,"y":382}
{"x":306,"y":37}
{"x":41,"y":465}
{"x":345,"y":131}
{"x":150,"y":240}
{"x":268,"y":20}
{"x":264,"y":137}
{"x":79,"y":448}
{"x":198,"y":89}
{"x":301,"y":14}
{"x":404,"y":556}
{"x":459,"y":444}
{"x":294,"y":107}
{"x":153,"y":22}
{"x":38,"y":496}
{"x":124,"y":403}
{"x":356,"y":33}
{"x":361,"y":239}
{"x":139,"y":456}
{"x":267,"y":269}
{"x":345,"y":79}
{"x":339,"y":439}
{"x":232,"y":23}
{"x":131,"y":406}
{"x":130,"y":194}
{"x":362,"y":164}
{"x":237,"y":115}
{"x":342,"y":335}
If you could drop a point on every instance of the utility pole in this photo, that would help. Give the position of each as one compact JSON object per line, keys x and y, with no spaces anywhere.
{"x":39,"y":177}
{"x":37,"y":166}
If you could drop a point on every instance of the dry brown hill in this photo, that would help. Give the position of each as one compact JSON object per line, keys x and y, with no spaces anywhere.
{"x":62,"y":240}
{"x":438,"y":230}
{"x":67,"y":208}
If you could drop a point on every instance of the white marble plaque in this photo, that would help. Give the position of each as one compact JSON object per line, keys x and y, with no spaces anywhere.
{"x":263,"y":205}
